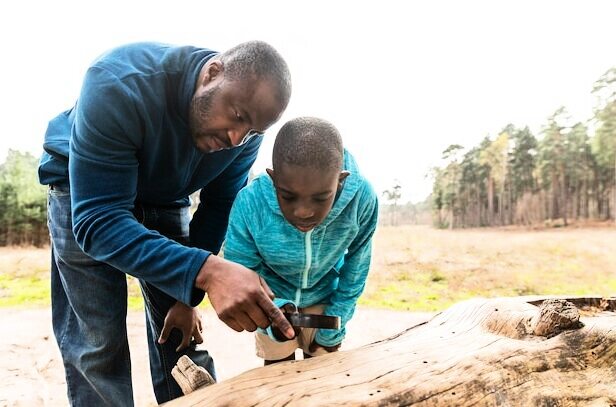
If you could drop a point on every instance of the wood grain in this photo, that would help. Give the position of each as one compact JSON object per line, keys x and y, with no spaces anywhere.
{"x":479,"y":352}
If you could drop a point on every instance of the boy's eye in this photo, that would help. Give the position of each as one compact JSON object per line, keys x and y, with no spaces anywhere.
{"x":321,"y":200}
{"x":238,"y":117}
{"x":287,"y":198}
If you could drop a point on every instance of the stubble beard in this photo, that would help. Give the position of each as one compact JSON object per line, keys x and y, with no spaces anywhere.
{"x":200,"y":108}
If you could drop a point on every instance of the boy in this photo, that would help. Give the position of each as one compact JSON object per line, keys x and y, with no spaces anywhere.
{"x":307,"y":230}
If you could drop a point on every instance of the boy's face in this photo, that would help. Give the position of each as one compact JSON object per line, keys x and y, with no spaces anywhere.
{"x":306,"y":195}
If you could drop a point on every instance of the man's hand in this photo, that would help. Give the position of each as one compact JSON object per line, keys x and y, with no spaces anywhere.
{"x":240,"y":297}
{"x":315,"y":345}
{"x":187,"y":320}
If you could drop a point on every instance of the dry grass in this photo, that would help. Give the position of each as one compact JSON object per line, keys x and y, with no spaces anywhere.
{"x":25,"y":282}
{"x":419,"y":268}
{"x":24,"y":276}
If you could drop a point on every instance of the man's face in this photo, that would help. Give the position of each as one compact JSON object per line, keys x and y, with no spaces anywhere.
{"x":305,"y":195}
{"x":222,"y":112}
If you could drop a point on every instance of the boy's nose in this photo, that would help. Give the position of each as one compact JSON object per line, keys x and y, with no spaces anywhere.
{"x":303,"y":212}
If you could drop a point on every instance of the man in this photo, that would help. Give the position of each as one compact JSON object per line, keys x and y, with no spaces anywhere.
{"x":154,"y":123}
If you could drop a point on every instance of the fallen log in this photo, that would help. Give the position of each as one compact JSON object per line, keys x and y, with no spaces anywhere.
{"x":507,"y":351}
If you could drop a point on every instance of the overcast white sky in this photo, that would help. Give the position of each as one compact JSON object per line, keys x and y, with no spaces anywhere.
{"x":401,"y":80}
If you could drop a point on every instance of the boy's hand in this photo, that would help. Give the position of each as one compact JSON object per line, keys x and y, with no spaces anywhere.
{"x":240,"y":297}
{"x":187,"y":320}
{"x":315,"y":345}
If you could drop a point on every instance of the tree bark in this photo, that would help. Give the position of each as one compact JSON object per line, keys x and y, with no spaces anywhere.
{"x":564,"y":195}
{"x":507,"y":351}
{"x":490,"y":200}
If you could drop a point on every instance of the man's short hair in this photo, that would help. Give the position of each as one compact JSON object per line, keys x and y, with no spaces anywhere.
{"x":258,"y":59}
{"x":308,"y":142}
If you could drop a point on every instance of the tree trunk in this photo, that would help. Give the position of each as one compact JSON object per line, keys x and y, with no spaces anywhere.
{"x":510,"y":204}
{"x":490,"y":200}
{"x":479,"y":205}
{"x":507,"y":351}
{"x":586,"y":200}
{"x":501,"y":199}
{"x":564,"y":196}
{"x":554,"y":198}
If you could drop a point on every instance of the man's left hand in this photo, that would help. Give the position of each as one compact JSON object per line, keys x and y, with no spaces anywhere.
{"x":187,"y":320}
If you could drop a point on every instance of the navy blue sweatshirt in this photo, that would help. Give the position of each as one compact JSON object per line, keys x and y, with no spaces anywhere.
{"x":127,"y":140}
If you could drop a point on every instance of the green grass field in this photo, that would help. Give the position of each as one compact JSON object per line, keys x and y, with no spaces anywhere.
{"x":417,"y":268}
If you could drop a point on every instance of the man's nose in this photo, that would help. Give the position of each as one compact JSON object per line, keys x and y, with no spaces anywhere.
{"x":236,"y":136}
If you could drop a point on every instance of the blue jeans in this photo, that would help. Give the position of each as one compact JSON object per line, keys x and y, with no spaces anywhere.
{"x":89,"y":302}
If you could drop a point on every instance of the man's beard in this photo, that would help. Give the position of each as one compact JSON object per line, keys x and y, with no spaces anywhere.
{"x":199,"y":116}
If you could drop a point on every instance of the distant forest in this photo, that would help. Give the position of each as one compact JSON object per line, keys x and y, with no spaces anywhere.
{"x":23,"y":202}
{"x":518,"y":178}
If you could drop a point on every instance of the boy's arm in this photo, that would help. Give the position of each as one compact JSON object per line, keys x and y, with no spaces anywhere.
{"x":352,"y":274}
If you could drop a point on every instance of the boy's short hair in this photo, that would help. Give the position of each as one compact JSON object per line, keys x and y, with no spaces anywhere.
{"x":308,"y":142}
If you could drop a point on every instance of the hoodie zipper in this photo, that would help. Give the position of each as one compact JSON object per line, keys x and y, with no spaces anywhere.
{"x":304,"y":284}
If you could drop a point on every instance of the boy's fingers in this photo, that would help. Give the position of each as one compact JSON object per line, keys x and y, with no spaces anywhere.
{"x":275,"y":315}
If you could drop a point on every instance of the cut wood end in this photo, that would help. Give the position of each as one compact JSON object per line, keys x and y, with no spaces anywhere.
{"x":555,"y":316}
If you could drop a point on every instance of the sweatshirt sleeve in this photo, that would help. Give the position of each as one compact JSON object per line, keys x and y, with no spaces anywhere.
{"x":240,"y":245}
{"x":354,"y":272}
{"x":209,"y":223}
{"x":103,"y":165}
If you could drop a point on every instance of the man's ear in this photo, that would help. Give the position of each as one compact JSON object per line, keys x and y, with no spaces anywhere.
{"x":270,"y":172}
{"x":213,"y":71}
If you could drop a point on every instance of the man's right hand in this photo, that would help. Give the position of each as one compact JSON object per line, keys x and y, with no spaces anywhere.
{"x":240,"y":297}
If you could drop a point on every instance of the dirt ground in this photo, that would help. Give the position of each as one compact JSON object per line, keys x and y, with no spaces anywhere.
{"x":31,"y":372}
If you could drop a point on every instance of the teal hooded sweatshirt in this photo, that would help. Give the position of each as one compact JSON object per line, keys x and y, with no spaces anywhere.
{"x":327,"y":265}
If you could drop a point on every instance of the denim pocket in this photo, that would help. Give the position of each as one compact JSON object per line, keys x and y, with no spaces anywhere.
{"x":58,"y":191}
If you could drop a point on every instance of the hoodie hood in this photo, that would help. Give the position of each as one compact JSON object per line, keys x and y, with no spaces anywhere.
{"x":350,"y":187}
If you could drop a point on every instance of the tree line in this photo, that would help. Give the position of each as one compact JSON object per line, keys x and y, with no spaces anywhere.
{"x":23,"y":203}
{"x":518,"y":178}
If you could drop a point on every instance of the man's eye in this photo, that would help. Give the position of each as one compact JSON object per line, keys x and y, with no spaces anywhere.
{"x":239,"y":117}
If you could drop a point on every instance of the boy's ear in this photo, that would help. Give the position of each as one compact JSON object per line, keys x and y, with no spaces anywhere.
{"x":270,"y":172}
{"x":342,"y":177}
